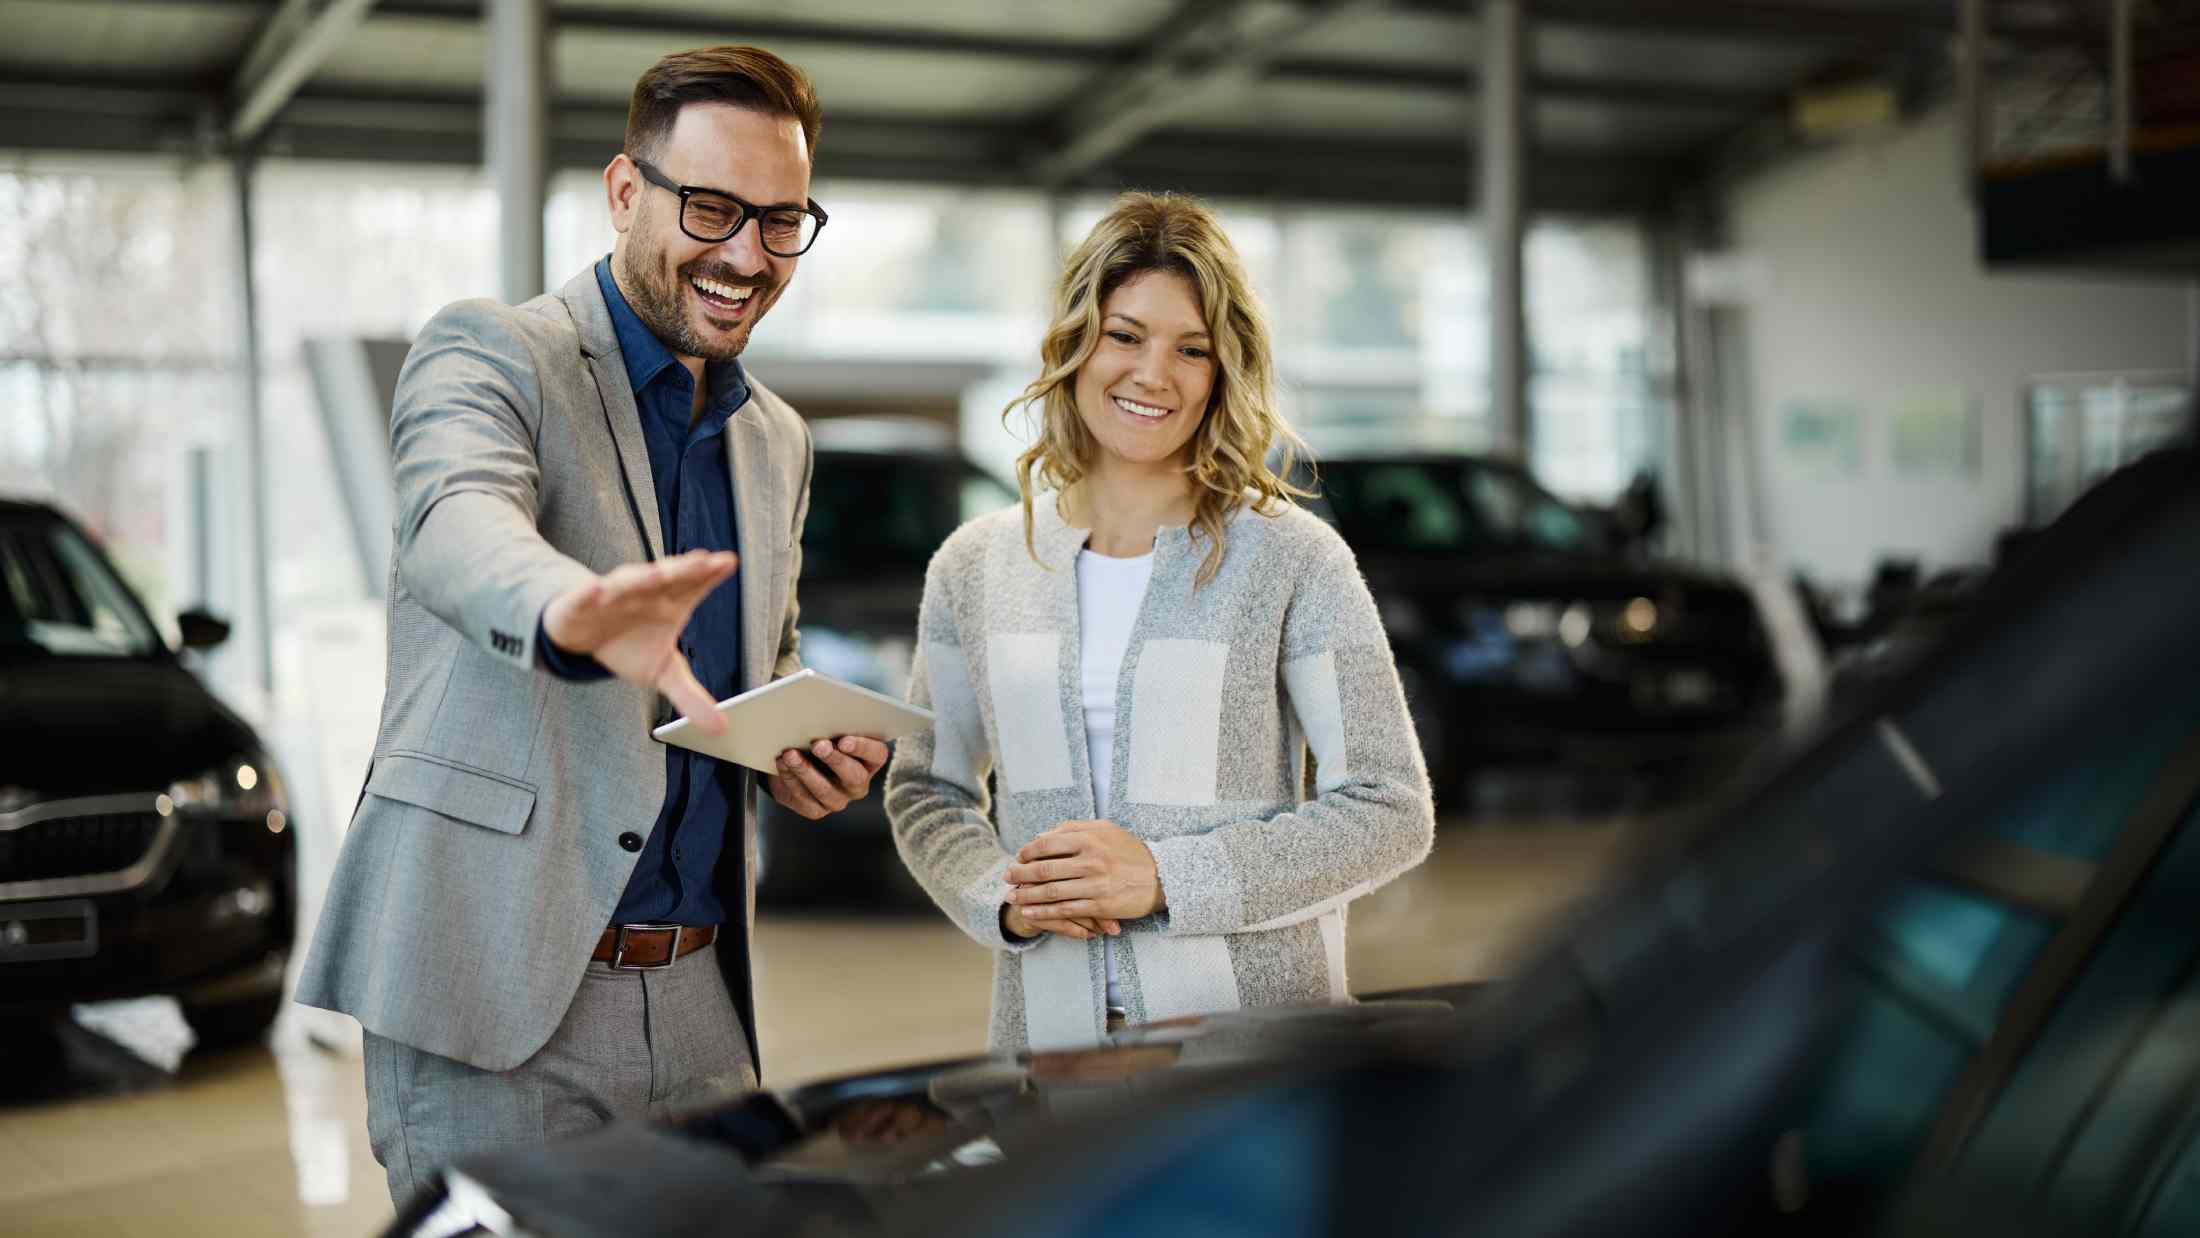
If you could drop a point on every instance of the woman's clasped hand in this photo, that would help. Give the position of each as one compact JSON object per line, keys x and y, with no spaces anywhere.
{"x":1082,"y":879}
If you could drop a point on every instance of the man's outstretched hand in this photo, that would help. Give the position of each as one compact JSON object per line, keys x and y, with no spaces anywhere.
{"x":630,"y":619}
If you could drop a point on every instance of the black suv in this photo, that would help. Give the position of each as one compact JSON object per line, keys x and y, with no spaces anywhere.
{"x":1524,"y":636}
{"x":146,"y":845}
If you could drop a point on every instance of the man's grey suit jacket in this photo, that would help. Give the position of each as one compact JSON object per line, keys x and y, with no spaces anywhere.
{"x":483,"y":860}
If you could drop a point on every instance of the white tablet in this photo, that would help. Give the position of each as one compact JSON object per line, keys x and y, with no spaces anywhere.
{"x":796,"y":712}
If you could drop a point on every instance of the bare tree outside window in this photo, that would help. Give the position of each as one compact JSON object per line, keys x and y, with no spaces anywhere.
{"x":116,"y":352}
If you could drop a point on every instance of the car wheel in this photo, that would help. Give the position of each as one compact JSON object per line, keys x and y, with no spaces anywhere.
{"x":234,"y":1023}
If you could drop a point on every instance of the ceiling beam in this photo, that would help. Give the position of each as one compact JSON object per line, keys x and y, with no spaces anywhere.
{"x":1425,"y":75}
{"x":1554,"y":87}
{"x":1200,"y":48}
{"x":289,"y":49}
{"x":162,"y":119}
{"x":1788,"y":21}
{"x":771,"y":31}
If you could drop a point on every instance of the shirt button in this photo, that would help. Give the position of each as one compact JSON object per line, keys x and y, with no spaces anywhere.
{"x":630,"y":841}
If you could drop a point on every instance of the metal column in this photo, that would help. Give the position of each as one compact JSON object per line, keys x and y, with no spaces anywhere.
{"x":1502,"y":187}
{"x":255,"y":441}
{"x":1971,"y":74}
{"x":2122,"y":90}
{"x":2192,"y":359}
{"x":516,"y":138}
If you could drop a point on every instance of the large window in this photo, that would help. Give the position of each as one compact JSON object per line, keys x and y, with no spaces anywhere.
{"x":1382,"y":328}
{"x":344,"y":251}
{"x":2083,"y":427}
{"x":120,"y":357}
{"x":121,"y":336}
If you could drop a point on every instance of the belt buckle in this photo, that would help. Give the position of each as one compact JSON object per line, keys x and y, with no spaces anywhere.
{"x":618,"y":948}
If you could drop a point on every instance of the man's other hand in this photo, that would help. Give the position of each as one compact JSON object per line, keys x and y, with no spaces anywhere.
{"x":630,"y":619}
{"x":852,"y":760}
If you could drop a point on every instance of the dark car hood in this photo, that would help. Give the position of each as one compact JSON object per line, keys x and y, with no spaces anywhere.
{"x":97,"y":725}
{"x":730,"y":1170}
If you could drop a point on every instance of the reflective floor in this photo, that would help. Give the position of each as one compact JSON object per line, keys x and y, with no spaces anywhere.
{"x":109,"y":1128}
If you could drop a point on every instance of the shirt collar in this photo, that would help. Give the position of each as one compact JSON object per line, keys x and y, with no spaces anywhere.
{"x":647,"y":359}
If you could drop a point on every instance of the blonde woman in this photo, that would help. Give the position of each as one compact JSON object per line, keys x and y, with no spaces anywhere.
{"x":1142,"y":655}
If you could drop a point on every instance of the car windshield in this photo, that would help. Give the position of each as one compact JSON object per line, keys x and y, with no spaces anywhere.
{"x":1448,"y":506}
{"x":59,"y":599}
{"x":871,"y":512}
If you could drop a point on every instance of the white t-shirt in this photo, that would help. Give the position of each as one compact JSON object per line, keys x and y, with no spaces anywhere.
{"x":1109,"y":593}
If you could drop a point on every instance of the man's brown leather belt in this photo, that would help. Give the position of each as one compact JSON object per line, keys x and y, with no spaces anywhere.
{"x":643,"y":946}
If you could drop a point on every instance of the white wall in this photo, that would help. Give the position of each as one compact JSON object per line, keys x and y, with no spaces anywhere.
{"x":1875,"y":290}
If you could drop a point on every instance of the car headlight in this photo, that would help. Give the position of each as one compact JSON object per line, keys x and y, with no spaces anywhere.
{"x":247,"y":787}
{"x":1533,"y":620}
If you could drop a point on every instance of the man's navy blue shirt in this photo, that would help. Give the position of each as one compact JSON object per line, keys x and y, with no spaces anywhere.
{"x":672,"y":878}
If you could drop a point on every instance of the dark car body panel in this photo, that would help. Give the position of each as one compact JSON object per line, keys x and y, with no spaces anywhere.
{"x":67,"y":726}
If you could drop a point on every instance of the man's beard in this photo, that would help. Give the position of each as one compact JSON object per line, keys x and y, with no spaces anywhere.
{"x":660,"y":303}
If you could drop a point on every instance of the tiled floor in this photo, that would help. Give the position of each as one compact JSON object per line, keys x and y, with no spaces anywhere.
{"x":273,"y":1141}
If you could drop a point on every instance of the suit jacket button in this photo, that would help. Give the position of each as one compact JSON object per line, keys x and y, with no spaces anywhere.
{"x":631,"y":841}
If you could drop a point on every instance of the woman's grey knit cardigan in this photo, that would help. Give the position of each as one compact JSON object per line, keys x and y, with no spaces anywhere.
{"x":1222,"y":692}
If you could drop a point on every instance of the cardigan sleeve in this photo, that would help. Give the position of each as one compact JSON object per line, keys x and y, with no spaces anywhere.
{"x":1372,"y":817}
{"x":936,"y":795}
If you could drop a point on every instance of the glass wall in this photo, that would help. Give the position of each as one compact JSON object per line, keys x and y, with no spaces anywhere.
{"x":348,"y":250}
{"x":1382,"y":325}
{"x":2082,"y":427}
{"x":122,"y":392}
{"x":121,"y":343}
{"x":120,"y":365}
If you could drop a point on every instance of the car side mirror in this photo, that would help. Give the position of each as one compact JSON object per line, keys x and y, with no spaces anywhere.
{"x":201,"y":630}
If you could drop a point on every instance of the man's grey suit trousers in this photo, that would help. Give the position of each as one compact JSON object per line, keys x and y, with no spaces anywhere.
{"x":633,"y":1044}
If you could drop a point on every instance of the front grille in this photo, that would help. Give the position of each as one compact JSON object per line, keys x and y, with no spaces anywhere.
{"x":76,"y":846}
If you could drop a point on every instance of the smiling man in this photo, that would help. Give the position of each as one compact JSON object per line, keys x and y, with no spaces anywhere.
{"x":541,"y":916}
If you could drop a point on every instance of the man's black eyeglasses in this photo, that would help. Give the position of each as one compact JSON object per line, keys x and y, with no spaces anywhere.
{"x":712,"y":215}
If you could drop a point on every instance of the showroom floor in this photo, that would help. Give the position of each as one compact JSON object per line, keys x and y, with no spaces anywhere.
{"x":121,"y":1141}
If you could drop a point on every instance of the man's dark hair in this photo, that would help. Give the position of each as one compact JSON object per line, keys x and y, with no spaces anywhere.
{"x":746,"y":77}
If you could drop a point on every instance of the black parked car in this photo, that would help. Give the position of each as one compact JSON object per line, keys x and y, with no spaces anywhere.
{"x":1934,"y":975}
{"x":883,"y":496}
{"x":145,"y":841}
{"x":1523,"y":636}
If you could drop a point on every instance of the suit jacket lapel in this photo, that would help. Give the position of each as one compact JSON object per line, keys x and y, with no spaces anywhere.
{"x":756,"y":504}
{"x":583,"y":297}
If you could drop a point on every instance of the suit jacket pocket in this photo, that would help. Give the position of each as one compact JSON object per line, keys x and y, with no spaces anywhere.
{"x":458,"y":791}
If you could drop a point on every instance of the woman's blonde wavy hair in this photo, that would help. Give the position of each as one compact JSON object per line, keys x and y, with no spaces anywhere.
{"x":1229,"y":466}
